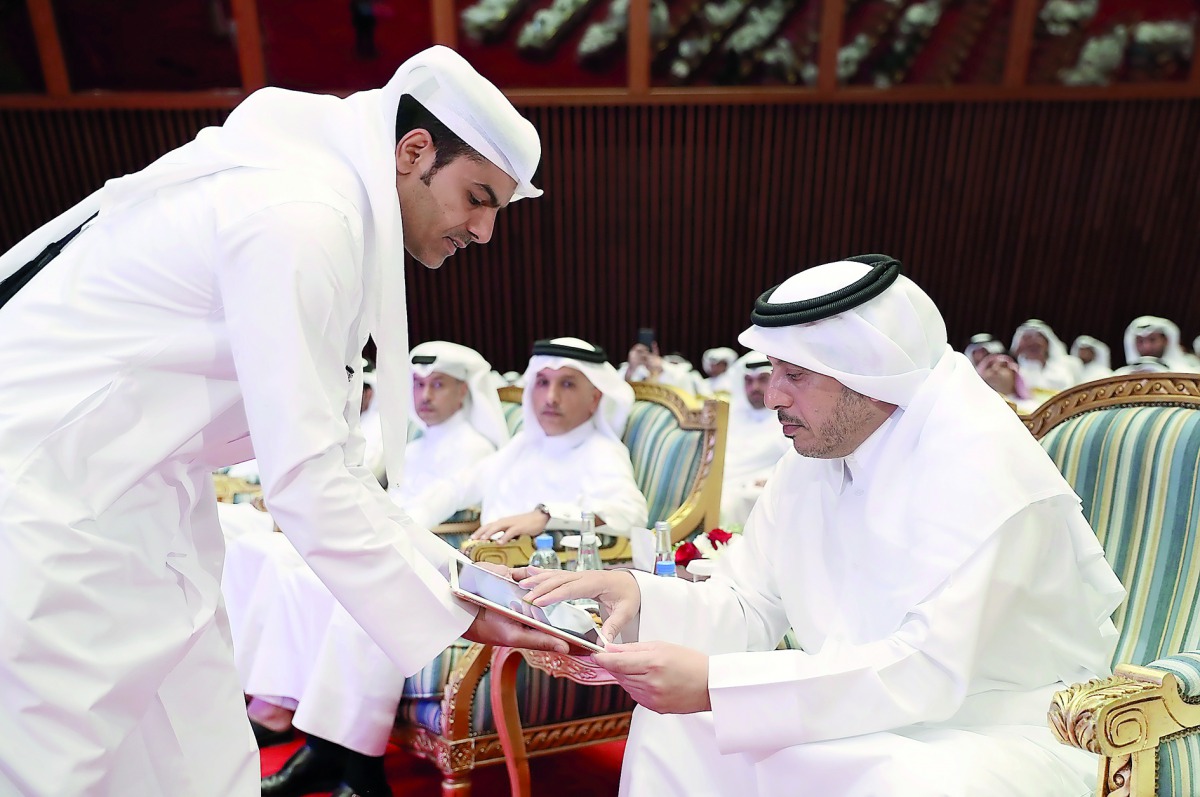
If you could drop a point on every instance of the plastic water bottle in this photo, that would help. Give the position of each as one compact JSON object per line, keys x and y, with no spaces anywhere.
{"x":664,"y":557}
{"x":545,"y":557}
{"x":588,"y":557}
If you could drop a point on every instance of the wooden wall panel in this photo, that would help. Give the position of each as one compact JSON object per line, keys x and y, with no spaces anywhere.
{"x":1083,"y":214}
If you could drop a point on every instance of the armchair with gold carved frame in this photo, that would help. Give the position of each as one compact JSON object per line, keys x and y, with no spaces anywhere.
{"x":1130,"y":447}
{"x":677,"y":447}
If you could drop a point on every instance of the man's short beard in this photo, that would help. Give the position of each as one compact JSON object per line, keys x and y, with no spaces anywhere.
{"x":851,"y":412}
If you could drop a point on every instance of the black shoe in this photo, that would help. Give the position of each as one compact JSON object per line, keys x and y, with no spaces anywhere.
{"x":346,"y":790}
{"x":268,"y":738}
{"x":306,"y":772}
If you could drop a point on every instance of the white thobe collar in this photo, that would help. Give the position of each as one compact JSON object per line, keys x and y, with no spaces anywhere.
{"x":859,"y":466}
{"x":452,"y":425}
{"x":557,"y":445}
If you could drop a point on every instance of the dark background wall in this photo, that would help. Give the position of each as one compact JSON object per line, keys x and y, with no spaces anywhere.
{"x":1084,"y":214}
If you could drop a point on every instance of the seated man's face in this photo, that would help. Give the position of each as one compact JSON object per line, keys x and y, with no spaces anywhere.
{"x":977,"y":355}
{"x":756,"y":388}
{"x":563,"y":399}
{"x":1034,"y":346}
{"x":718,"y":368}
{"x":824,"y":418}
{"x":1152,"y":344}
{"x":438,"y":396}
{"x":1086,"y":354}
{"x":1000,"y":377}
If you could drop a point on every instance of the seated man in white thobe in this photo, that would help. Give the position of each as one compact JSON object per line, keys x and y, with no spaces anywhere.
{"x":568,"y":458}
{"x":753,"y":444}
{"x":716,"y":364}
{"x":1151,"y":336}
{"x":1095,"y":356}
{"x":461,"y":422}
{"x":1046,"y":365}
{"x":933,"y":564}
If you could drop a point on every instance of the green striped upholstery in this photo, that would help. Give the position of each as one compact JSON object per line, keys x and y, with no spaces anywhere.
{"x":1186,"y":667}
{"x":1136,"y":470}
{"x":431,"y":680}
{"x":514,"y":417}
{"x":1179,"y":767}
{"x":664,"y":457}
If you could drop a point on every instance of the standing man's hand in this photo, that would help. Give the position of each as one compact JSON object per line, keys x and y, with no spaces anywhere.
{"x":666,"y":678}
{"x":493,"y":628}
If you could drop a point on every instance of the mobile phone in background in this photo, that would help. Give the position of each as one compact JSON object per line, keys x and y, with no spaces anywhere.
{"x":646,"y":337}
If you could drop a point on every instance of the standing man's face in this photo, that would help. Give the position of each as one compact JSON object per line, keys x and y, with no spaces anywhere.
{"x":445,"y":210}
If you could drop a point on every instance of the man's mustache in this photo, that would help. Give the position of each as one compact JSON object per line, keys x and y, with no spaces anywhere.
{"x":788,"y":420}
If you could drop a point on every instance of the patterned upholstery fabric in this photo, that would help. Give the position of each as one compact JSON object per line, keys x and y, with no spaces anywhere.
{"x":1179,"y":767}
{"x":1136,"y":470}
{"x":664,"y":457}
{"x":512,"y":414}
{"x":1186,"y":667}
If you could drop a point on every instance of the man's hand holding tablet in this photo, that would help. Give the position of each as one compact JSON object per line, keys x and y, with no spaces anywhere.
{"x":506,"y":600}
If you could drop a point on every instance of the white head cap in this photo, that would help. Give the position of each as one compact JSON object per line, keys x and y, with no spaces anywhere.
{"x":1103,"y":355}
{"x":884,"y":347}
{"x":482,"y":405}
{"x":591,"y":361}
{"x":468,"y":104}
{"x":721,"y":354}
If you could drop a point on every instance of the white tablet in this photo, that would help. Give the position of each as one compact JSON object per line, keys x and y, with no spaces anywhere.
{"x":500,"y":594}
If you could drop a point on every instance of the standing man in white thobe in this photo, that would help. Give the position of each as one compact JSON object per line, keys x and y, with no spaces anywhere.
{"x":222,"y":297}
{"x":755,"y":444}
{"x":934,"y":566}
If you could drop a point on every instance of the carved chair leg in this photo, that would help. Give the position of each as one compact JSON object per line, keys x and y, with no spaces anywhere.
{"x":456,"y":784}
{"x":505,"y":662}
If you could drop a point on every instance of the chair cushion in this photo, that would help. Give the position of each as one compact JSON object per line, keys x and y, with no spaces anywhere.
{"x":1137,"y":471}
{"x":665,"y":457}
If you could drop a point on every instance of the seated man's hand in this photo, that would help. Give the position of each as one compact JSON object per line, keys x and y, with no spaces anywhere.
{"x":615,"y":590}
{"x":666,"y":678}
{"x":493,"y":628}
{"x":528,"y":524}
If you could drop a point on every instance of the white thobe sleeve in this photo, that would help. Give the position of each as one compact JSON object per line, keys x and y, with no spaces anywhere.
{"x":290,"y":280}
{"x":610,"y":493}
{"x":986,"y":618}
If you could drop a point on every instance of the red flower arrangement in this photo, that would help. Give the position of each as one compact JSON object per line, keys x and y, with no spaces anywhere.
{"x":706,"y":546}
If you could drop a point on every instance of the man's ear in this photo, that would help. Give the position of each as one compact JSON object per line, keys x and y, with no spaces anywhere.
{"x":414,"y":152}
{"x":597,"y":395}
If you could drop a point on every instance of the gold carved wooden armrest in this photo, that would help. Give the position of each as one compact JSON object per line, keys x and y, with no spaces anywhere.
{"x":510,"y":554}
{"x":1124,"y":718}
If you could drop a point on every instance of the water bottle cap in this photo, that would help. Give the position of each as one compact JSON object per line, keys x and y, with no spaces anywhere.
{"x":544,"y":542}
{"x":662,"y":524}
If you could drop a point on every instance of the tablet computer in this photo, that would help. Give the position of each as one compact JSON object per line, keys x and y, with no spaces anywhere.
{"x":500,"y":594}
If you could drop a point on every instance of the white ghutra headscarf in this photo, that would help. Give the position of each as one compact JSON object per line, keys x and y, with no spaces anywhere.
{"x":482,"y":405}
